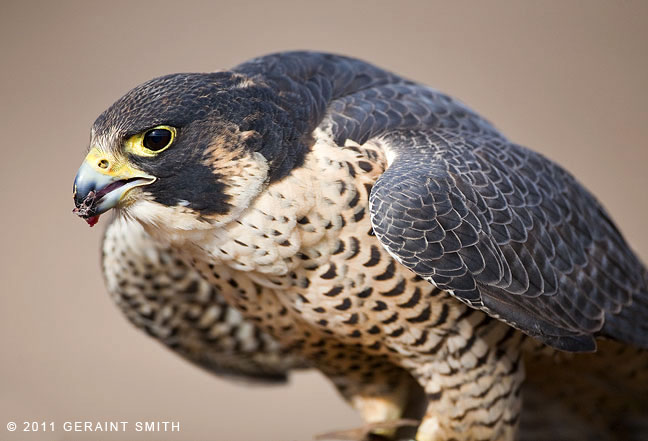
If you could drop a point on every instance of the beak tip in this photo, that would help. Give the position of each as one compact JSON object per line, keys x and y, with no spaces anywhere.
{"x":85,"y":207}
{"x":84,"y":213}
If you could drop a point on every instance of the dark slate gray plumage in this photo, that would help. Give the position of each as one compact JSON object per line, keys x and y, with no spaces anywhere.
{"x":510,"y":232}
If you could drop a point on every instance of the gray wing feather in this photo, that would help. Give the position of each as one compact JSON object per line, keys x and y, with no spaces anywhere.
{"x":510,"y":232}
{"x":354,"y":99}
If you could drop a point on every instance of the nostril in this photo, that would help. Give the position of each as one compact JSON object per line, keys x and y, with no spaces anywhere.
{"x":103,"y":163}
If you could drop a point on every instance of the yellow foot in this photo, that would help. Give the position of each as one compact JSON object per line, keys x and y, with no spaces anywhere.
{"x":365,"y":432}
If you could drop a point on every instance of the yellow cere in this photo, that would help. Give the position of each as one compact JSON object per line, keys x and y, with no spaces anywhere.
{"x":135,"y":144}
{"x":107,"y":164}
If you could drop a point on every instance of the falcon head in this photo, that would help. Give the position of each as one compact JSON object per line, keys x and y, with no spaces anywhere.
{"x":191,"y":150}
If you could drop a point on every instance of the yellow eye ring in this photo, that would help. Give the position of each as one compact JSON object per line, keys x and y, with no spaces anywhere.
{"x":151,"y":142}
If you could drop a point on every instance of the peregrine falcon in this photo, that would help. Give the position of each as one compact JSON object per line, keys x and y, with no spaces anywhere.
{"x":312,"y":210}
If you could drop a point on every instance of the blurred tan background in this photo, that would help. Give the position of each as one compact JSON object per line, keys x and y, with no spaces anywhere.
{"x":566,"y":78}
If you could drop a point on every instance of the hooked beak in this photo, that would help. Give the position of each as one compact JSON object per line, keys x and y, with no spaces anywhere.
{"x":102,"y":182}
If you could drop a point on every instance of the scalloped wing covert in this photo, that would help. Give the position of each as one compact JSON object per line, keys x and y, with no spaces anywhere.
{"x":508,"y":231}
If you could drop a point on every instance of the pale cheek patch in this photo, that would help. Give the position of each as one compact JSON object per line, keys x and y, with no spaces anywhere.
{"x":244,"y":178}
{"x":243,"y":173}
{"x":247,"y":178}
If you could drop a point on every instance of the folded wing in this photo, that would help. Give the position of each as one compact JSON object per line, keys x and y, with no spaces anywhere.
{"x":508,"y":231}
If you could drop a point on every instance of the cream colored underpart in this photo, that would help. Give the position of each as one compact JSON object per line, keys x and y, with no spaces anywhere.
{"x":175,"y":305}
{"x":429,"y":430}
{"x":169,"y":225}
{"x":261,"y":236}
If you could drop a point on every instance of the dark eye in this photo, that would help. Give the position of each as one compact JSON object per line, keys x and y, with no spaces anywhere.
{"x":157,"y":139}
